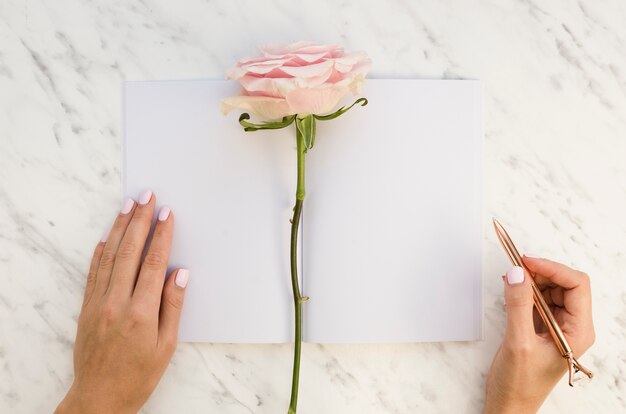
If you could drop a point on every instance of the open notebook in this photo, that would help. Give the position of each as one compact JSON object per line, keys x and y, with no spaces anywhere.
{"x":391,"y":226}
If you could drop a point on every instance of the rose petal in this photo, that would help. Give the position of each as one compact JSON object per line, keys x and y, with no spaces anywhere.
{"x":346,"y":62}
{"x":355,"y":85}
{"x":310,"y":58}
{"x":315,"y":101}
{"x":264,"y":106}
{"x":310,"y":71}
{"x":263,"y":68}
{"x":362,"y":68}
{"x":334,"y":77}
{"x":257,"y":66}
{"x":256,"y":59}
{"x":309,"y":48}
{"x":280,"y":87}
{"x":275,"y":87}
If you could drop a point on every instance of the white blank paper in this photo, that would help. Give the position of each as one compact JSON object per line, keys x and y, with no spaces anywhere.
{"x":392,"y":247}
{"x":231,"y":194}
{"x":391,"y":224}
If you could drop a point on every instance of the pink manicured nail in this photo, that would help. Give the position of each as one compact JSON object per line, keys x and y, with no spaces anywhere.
{"x":182,"y":277}
{"x":164,"y":213}
{"x":105,"y":235}
{"x":144,"y":198}
{"x":515,"y":275}
{"x":128,"y":205}
{"x":532,"y":255}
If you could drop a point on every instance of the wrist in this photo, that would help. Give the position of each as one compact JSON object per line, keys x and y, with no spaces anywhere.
{"x":503,"y":400}
{"x":69,"y":405}
{"x":493,"y":406}
{"x":79,"y":402}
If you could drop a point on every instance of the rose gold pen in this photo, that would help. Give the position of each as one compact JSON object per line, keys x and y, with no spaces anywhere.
{"x":543,"y":309}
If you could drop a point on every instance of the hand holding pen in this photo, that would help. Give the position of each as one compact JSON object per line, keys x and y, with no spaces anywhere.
{"x":528,"y":364}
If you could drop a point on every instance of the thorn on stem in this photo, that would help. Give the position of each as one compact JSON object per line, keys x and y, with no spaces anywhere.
{"x":304,"y":298}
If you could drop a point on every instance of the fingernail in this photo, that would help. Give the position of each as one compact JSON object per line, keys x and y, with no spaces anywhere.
{"x":105,"y":235}
{"x":515,"y":275}
{"x":128,"y":205}
{"x":532,"y":255}
{"x":164,"y":213}
{"x":144,"y":198}
{"x":182,"y":277}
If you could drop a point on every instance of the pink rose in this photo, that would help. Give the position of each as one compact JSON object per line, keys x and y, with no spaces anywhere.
{"x":301,"y":78}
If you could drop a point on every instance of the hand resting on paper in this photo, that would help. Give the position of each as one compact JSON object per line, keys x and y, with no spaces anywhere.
{"x":128,"y":324}
{"x":528,"y":365}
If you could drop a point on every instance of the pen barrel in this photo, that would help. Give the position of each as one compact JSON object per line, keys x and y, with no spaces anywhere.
{"x":550,"y":321}
{"x":540,"y":303}
{"x":542,"y":307}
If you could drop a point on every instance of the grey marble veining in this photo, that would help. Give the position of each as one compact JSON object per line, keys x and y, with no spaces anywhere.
{"x":554,"y":169}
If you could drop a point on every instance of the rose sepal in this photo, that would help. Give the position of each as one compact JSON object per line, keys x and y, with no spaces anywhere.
{"x":249,"y":126}
{"x":341,"y":111}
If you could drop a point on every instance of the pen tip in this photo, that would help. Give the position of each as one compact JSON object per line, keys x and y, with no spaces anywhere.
{"x":497,"y":225}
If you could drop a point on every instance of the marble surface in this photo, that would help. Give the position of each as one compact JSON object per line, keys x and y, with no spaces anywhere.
{"x":554,"y":168}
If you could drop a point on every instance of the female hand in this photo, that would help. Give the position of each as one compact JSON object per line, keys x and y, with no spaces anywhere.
{"x":528,"y":364}
{"x":128,"y":324}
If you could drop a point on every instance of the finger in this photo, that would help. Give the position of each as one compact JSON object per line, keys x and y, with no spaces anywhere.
{"x":554,"y":272}
{"x":128,"y":256}
{"x":93,"y":268}
{"x":556,"y":296}
{"x":107,"y":259}
{"x":151,"y":277}
{"x":171,"y":307}
{"x":575,"y":284}
{"x":519,"y":306}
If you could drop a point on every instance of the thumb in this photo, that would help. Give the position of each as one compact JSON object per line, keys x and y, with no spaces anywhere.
{"x":171,"y":307}
{"x":518,"y":296}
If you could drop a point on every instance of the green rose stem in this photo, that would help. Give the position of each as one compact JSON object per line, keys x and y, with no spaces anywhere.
{"x":305,"y":138}
{"x":305,"y":127}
